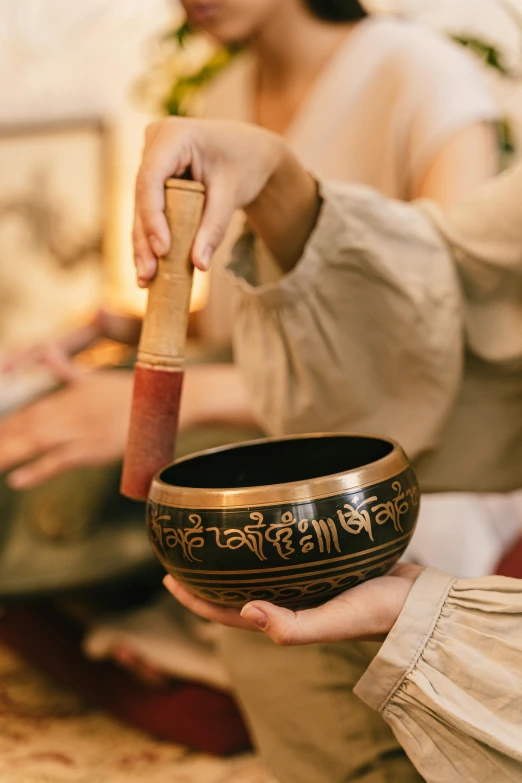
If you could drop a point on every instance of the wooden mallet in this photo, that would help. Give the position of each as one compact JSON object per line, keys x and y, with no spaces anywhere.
{"x":159,"y":370}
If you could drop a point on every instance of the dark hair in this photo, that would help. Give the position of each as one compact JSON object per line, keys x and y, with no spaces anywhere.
{"x":336,"y":10}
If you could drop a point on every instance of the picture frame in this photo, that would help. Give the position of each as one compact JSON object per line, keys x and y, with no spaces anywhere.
{"x":54,"y":215}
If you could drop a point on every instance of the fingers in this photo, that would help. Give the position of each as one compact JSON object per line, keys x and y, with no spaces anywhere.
{"x":51,"y":464}
{"x":12,"y":361}
{"x":21,"y":359}
{"x":333,"y":621}
{"x":217,"y":214}
{"x":150,"y":206}
{"x":18,"y":441}
{"x":206,"y":610}
{"x":83,"y":424}
{"x":150,"y":200}
{"x":51,"y":355}
{"x":33,"y":431}
{"x":147,"y":251}
{"x":144,"y":259}
{"x":366,"y":612}
{"x":339,"y":619}
{"x":287,"y":628}
{"x":166,"y":154}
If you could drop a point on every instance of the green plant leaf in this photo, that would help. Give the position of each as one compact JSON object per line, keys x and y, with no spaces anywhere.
{"x":177,"y":101}
{"x":488,"y":53}
{"x":180,"y":34}
{"x":185,"y":87}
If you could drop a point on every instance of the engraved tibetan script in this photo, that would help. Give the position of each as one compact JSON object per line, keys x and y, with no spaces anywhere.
{"x":290,"y":534}
{"x":187,"y":539}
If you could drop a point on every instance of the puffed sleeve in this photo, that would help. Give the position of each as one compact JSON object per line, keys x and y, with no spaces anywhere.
{"x":364,"y":334}
{"x":448,"y":679}
{"x":484,"y":232}
{"x":444,"y":92}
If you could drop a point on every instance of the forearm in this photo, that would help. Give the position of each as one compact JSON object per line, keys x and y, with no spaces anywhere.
{"x":487,"y":225}
{"x":120,"y":327}
{"x":214,"y":393}
{"x":285,"y":212}
{"x":465,"y":162}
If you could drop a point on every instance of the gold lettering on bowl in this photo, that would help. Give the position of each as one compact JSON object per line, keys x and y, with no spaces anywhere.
{"x":356,"y":518}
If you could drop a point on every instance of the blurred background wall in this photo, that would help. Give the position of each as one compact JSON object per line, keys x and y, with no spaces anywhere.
{"x":63,"y":65}
{"x":67,"y":70}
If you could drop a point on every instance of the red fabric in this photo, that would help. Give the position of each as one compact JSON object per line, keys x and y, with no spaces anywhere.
{"x":511,"y":563}
{"x":186,"y":713}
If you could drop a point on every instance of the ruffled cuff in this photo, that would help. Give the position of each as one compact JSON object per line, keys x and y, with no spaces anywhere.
{"x":407,"y":640}
{"x":250,"y":258}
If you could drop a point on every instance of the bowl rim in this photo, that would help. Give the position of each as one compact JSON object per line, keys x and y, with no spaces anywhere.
{"x":195,"y":498}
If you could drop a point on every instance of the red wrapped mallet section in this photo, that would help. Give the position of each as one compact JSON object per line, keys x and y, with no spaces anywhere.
{"x":158,"y":375}
{"x":153,"y":428}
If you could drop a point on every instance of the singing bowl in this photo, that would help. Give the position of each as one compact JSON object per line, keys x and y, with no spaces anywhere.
{"x":293,"y":521}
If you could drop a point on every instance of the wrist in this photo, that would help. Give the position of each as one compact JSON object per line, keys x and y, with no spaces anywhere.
{"x":286,"y":210}
{"x":404,"y":577}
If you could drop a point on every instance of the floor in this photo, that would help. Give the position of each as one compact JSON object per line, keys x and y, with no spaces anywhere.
{"x":48,"y":736}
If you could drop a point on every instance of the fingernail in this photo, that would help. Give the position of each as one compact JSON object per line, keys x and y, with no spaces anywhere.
{"x":205,"y":257}
{"x":255,"y":615}
{"x":156,"y":245}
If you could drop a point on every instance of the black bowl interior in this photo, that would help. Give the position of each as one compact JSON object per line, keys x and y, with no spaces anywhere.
{"x":276,"y":462}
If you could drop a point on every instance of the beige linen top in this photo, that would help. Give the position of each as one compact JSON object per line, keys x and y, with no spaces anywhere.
{"x":381,"y":110}
{"x":397,"y":321}
{"x":400,"y":320}
{"x":448,"y":679}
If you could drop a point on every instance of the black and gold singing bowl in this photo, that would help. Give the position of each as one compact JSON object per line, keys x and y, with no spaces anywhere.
{"x":289,"y":520}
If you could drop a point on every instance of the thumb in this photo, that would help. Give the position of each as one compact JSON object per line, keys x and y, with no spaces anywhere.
{"x":288,"y":628}
{"x":218,"y":211}
{"x":349,"y":615}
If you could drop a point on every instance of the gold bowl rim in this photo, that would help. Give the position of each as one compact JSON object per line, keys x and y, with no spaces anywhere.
{"x":386,"y":467}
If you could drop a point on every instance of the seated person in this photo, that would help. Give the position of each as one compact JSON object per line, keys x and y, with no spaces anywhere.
{"x":386,"y":318}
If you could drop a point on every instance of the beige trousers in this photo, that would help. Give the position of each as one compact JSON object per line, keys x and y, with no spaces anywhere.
{"x":304,"y":718}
